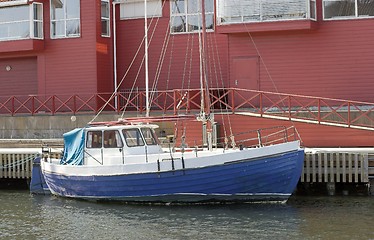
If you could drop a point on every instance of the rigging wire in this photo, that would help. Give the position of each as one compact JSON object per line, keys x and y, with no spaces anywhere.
{"x":141,"y":64}
{"x":252,"y":40}
{"x":124,"y":77}
{"x":219,"y":77}
{"x":207,"y":71}
{"x":266,"y":68}
{"x":161,"y":58}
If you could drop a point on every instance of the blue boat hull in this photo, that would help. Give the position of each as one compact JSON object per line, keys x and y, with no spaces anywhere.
{"x":37,"y":183}
{"x":273,"y":178}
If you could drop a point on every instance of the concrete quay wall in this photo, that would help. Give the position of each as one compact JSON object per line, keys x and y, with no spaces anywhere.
{"x":45,"y":127}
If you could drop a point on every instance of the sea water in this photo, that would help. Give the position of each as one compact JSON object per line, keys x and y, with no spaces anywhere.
{"x":26,"y":216}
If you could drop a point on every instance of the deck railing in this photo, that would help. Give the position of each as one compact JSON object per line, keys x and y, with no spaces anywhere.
{"x":222,"y":100}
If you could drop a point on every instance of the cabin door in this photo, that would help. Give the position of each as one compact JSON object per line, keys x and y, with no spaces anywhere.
{"x":93,"y":148}
{"x":245,"y":75}
{"x":104,"y":148}
{"x":112,"y":148}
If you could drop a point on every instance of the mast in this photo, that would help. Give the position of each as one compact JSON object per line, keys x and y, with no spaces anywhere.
{"x":205,"y":102}
{"x":146,"y":59}
{"x":205,"y":115}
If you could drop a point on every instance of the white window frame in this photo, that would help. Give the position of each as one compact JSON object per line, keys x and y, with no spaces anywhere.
{"x":262,"y":15}
{"x":13,"y":3}
{"x":186,"y":15}
{"x":154,"y":9}
{"x":105,"y":19}
{"x":36,"y":22}
{"x":310,"y":10}
{"x":65,"y":20}
{"x":355,"y":16}
{"x":30,"y":22}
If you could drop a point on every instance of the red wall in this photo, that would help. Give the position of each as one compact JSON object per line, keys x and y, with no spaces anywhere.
{"x":104,"y":54}
{"x":312,"y":135}
{"x":21,"y":79}
{"x":70,"y":63}
{"x":335,"y":59}
{"x":81,"y":65}
{"x":180,"y":68}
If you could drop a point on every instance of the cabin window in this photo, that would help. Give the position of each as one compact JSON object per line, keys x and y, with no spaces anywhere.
{"x":186,"y":16}
{"x":343,"y":9}
{"x":105,"y":18}
{"x":132,"y":9}
{"x":112,"y":139}
{"x":94,"y":139}
{"x":241,"y":11}
{"x":149,"y":136}
{"x":65,"y":18}
{"x":133,"y":137}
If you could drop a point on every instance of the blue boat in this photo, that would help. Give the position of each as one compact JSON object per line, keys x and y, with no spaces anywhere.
{"x":125,"y":162}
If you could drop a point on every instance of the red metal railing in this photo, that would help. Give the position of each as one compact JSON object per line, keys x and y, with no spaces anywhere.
{"x":228,"y":100}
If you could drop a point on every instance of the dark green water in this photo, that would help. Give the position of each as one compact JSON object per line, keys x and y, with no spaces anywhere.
{"x":25,"y":216}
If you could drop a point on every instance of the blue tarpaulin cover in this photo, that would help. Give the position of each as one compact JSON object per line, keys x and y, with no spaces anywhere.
{"x":73,"y":147}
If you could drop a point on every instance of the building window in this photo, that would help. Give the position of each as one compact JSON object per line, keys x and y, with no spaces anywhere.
{"x":37,"y":25}
{"x":133,"y":9}
{"x":312,"y":10}
{"x":21,"y":22}
{"x":341,"y":9}
{"x":105,"y":18}
{"x":264,"y":10}
{"x":186,"y":15}
{"x":65,"y":18}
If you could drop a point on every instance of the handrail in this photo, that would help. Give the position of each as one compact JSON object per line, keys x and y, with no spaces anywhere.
{"x":311,"y":109}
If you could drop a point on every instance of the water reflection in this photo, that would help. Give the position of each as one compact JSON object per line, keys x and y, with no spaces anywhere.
{"x":47,"y":217}
{"x":336,"y":217}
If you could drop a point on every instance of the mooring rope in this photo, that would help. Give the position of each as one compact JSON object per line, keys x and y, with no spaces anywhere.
{"x":18,"y":162}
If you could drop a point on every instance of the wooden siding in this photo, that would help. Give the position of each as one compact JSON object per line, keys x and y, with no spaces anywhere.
{"x":104,"y":54}
{"x":333,"y":61}
{"x":26,"y":45}
{"x":70,"y":63}
{"x":21,"y":79}
{"x":80,"y":65}
{"x":329,"y":59}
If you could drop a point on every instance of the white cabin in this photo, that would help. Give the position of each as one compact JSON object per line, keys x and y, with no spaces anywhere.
{"x":120,"y":144}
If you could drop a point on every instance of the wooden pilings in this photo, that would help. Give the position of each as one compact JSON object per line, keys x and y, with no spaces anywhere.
{"x":348,"y":170}
{"x":320,"y":166}
{"x":330,"y":167}
{"x":17,"y":163}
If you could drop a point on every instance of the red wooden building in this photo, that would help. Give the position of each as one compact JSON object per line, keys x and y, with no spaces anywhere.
{"x":308,"y":47}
